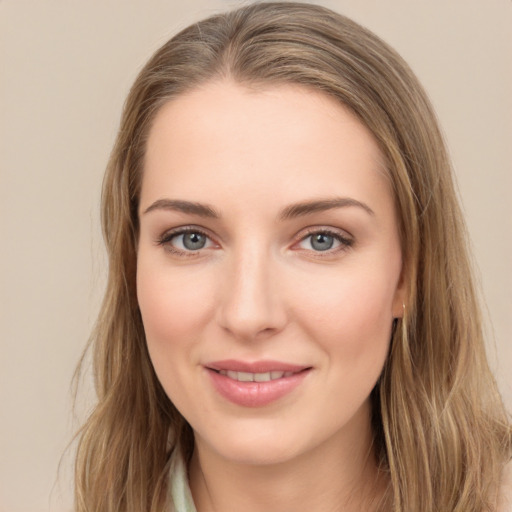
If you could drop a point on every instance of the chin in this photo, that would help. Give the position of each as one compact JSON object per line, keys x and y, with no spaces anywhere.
{"x":254,"y":446}
{"x":255,"y":454}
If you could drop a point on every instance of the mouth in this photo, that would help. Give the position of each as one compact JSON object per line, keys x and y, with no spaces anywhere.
{"x":254,"y":377}
{"x":255,"y":384}
{"x":257,"y":371}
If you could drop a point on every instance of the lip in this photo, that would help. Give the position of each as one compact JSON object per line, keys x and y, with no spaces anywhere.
{"x":255,"y":366}
{"x":255,"y":394}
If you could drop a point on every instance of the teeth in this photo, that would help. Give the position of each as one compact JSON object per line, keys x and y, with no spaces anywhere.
{"x":245,"y":377}
{"x":255,"y":377}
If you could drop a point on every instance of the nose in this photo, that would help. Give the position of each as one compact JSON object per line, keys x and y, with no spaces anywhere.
{"x":252,"y":304}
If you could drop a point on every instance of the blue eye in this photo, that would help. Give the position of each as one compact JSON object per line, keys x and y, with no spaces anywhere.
{"x":322,"y":241}
{"x":185,"y":241}
{"x":193,"y":241}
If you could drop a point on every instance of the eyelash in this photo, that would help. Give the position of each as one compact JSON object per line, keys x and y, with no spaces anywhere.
{"x":345,"y":242}
{"x":165,"y":239}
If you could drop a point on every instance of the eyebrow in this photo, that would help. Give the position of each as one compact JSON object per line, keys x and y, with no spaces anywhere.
{"x":308,"y":207}
{"x":290,"y":212}
{"x":202,"y":210}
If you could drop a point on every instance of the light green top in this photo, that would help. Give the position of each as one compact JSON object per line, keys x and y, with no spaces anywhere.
{"x":181,"y":497}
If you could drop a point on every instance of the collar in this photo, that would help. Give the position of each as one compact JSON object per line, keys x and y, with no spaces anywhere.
{"x":181,"y":497}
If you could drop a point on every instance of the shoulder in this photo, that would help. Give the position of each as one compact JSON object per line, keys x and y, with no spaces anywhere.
{"x":505,"y":495}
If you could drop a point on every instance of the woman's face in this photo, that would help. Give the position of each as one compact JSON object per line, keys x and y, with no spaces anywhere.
{"x":269,"y":268}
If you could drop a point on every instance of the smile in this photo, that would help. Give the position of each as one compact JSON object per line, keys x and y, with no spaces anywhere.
{"x":255,"y":384}
{"x":255,"y":377}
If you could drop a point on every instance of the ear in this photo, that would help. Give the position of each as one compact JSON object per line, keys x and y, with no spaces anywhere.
{"x":400,"y":297}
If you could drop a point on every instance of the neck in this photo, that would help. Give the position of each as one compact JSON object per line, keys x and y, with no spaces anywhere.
{"x":338,"y":475}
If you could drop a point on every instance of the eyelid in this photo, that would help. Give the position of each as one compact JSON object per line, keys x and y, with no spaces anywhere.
{"x":165,"y":238}
{"x":325,"y":229}
{"x":345,"y":239}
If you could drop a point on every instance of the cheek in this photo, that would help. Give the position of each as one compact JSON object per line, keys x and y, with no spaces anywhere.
{"x":351,"y":317}
{"x":174,"y":313}
{"x":173,"y":308}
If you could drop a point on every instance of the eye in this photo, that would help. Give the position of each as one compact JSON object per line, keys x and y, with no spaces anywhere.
{"x":191,"y":241}
{"x":323,"y":241}
{"x":188,"y":240}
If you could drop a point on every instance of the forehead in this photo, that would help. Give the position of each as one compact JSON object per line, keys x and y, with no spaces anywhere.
{"x":282,"y":141}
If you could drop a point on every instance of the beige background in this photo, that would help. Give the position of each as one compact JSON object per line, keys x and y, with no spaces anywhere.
{"x":65,"y":68}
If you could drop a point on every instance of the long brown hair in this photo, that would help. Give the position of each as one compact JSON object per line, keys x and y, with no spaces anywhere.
{"x":440,"y":428}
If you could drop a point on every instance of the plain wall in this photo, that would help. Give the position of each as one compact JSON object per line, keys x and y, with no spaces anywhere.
{"x":65,"y":69}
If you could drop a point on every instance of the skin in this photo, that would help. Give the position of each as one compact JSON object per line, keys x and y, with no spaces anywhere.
{"x":260,"y":289}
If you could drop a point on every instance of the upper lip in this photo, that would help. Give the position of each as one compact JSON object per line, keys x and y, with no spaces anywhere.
{"x":263,"y":366}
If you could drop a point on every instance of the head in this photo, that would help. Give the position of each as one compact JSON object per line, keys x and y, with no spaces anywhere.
{"x":266,"y":46}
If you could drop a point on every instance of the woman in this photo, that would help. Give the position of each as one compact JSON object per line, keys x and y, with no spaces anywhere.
{"x":290,"y":321}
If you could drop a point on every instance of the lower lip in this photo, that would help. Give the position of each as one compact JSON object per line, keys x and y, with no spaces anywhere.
{"x":255,"y":394}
